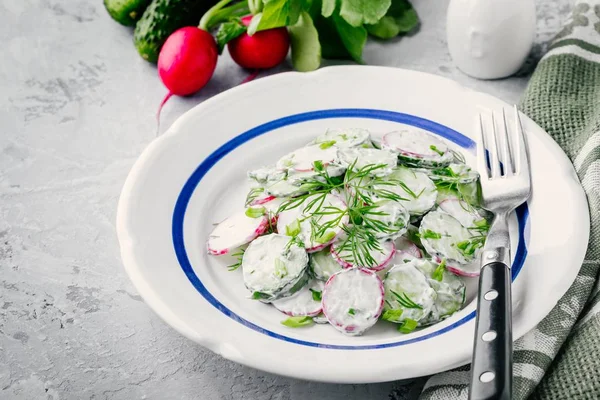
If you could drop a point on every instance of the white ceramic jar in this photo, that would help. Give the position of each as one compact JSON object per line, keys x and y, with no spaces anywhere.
{"x":490,"y":39}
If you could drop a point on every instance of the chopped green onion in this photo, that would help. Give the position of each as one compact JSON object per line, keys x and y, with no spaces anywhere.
{"x":297,"y":322}
{"x":326,"y":145}
{"x":259,"y":295}
{"x":432,"y":147}
{"x":316,"y":295}
{"x":325,"y":237}
{"x":429,"y":234}
{"x":392,"y":315}
{"x":280,"y":268}
{"x":293,"y":229}
{"x":408,"y":326}
{"x":438,"y":274}
{"x":351,"y":311}
{"x":255,"y":212}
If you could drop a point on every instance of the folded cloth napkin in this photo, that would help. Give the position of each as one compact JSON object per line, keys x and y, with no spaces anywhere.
{"x":560,"y":358}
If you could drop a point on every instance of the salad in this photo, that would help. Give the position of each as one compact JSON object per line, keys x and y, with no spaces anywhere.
{"x":352,"y":229}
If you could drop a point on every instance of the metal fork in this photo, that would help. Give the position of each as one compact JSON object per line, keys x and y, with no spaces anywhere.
{"x":505,"y":185}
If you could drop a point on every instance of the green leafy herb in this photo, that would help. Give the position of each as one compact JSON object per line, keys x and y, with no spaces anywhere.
{"x":429,"y":234}
{"x":259,"y":295}
{"x":277,"y":13}
{"x":239,"y":255}
{"x":401,"y":17}
{"x":297,"y":322}
{"x":408,"y":326}
{"x":328,"y":7}
{"x":293,"y":229}
{"x":405,"y":301}
{"x":255,"y":212}
{"x":316,"y":294}
{"x":327,"y":144}
{"x":351,"y":311}
{"x":359,"y":12}
{"x":304,"y":41}
{"x":469,"y":247}
{"x":434,"y":148}
{"x":353,"y":37}
{"x":280,"y":268}
{"x":253,"y":195}
{"x":392,"y":315}
{"x":438,"y":273}
{"x":229,"y":31}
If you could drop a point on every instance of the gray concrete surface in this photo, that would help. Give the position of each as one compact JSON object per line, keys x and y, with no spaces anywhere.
{"x":77,"y":107}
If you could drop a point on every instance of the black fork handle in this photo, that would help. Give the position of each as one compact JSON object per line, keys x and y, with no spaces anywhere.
{"x":491,"y":368}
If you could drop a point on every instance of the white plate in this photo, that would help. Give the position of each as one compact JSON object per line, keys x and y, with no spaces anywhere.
{"x":194,"y":176}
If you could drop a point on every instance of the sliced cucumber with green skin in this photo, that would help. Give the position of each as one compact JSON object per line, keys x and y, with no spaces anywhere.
{"x":323,"y":265}
{"x":394,"y":216}
{"x":285,"y":188}
{"x":360,"y":157}
{"x":466,"y":214}
{"x":405,"y":246}
{"x":306,"y":301}
{"x":304,"y":158}
{"x":441,"y":235}
{"x":274,"y":268}
{"x":408,"y":294}
{"x":417,"y":190}
{"x":450,"y":291}
{"x":417,"y":148}
{"x":344,"y":138}
{"x":267,"y":174}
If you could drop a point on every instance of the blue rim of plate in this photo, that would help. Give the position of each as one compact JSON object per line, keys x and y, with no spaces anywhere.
{"x":193,"y":181}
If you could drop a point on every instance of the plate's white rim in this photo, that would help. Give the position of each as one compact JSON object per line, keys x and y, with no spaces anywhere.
{"x":134,"y":270}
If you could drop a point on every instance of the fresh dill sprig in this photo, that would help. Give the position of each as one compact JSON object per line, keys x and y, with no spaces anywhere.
{"x":405,"y":301}
{"x":253,"y":195}
{"x":239,"y":255}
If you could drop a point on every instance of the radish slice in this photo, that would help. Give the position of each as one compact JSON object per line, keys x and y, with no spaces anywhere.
{"x":303,"y":159}
{"x":265,"y":198}
{"x":305,"y":218}
{"x":408,"y":294}
{"x":470,"y":270}
{"x":234,"y":232}
{"x":344,"y":138}
{"x":382,"y":258}
{"x":273,"y":268}
{"x":417,"y":189}
{"x":444,"y":237}
{"x":303,"y":302}
{"x":362,"y":157}
{"x":405,"y":246}
{"x":465,"y":213}
{"x":353,"y":300}
{"x":322,"y":264}
{"x":418,"y":148}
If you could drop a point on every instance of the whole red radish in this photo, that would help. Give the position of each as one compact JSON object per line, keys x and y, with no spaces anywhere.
{"x":263,"y":50}
{"x":187,"y":60}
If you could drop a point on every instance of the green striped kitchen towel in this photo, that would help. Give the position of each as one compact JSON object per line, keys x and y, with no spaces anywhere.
{"x":560,"y":358}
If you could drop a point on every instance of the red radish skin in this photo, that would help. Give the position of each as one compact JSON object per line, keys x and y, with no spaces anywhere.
{"x":263,"y":200}
{"x":462,"y":270}
{"x":263,"y":50}
{"x":260,"y":229}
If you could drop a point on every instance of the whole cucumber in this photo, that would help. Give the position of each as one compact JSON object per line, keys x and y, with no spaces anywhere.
{"x":126,"y":12}
{"x":163,"y":17}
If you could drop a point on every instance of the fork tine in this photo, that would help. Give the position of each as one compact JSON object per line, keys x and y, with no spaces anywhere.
{"x":493,"y":150}
{"x":482,"y":166}
{"x":523,"y":166}
{"x":507,"y":158}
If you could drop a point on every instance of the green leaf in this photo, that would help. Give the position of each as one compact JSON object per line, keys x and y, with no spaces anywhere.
{"x":408,"y":326}
{"x":409,"y":19}
{"x":351,"y":311}
{"x":438,"y":273}
{"x":293,"y":229}
{"x":278,"y":13}
{"x":316,"y":295}
{"x":228,"y":31}
{"x":392,"y":315}
{"x":259,"y":295}
{"x":318,"y":166}
{"x":332,"y":46}
{"x":304,"y":40}
{"x":386,"y":28}
{"x":280,"y":268}
{"x":328,"y":7}
{"x":429,"y":234}
{"x":399,"y":18}
{"x":327,"y":144}
{"x":297,"y":322}
{"x":353,"y":38}
{"x":255,"y":212}
{"x":359,"y":12}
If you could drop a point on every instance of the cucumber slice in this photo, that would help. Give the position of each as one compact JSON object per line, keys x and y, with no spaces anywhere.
{"x":306,"y":301}
{"x":456,"y":173}
{"x":342,"y":253}
{"x":408,"y":294}
{"x":304,"y":158}
{"x":406,"y":247}
{"x":450,"y":291}
{"x":285,"y":188}
{"x":344,"y":138}
{"x":443,"y":236}
{"x":323,"y":265}
{"x":360,"y":157}
{"x":417,"y":148}
{"x":393,"y":215}
{"x":267,"y":175}
{"x":417,"y":189}
{"x":353,"y":300}
{"x":467,"y":215}
{"x":306,"y":218}
{"x":235,"y":231}
{"x":273,"y":267}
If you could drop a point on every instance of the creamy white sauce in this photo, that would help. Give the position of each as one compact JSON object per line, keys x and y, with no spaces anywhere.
{"x":323,"y":264}
{"x":423,"y":189}
{"x":416,"y":143}
{"x":396,"y":218}
{"x":301,"y":302}
{"x":462,"y":211}
{"x":451,"y":231}
{"x":406,"y":279}
{"x":361,"y":157}
{"x":346,"y":137}
{"x":236,"y":230}
{"x":382,"y":258}
{"x":266,"y":174}
{"x":404,"y":245}
{"x":284,"y":188}
{"x":303,"y":159}
{"x":270,"y":267}
{"x":352,"y":300}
